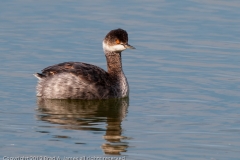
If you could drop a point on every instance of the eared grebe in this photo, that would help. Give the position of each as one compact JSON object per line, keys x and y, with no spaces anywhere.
{"x":77,"y":80}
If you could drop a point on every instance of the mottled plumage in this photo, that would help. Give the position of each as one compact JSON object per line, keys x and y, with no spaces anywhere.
{"x":77,"y":80}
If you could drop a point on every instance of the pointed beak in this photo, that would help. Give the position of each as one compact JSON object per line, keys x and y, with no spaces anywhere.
{"x":129,"y":46}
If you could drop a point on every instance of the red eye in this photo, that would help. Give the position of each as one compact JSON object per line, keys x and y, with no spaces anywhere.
{"x":117,"y":41}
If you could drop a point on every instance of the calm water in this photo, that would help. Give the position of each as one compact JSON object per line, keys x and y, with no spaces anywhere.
{"x":184,"y":78}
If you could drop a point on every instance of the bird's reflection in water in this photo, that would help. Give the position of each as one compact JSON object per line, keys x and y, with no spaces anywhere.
{"x":91,"y":116}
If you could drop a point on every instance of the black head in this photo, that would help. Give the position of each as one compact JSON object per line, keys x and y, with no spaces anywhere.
{"x":116,"y":40}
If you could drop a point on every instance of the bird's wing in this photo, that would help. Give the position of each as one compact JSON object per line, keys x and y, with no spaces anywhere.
{"x":86,"y":72}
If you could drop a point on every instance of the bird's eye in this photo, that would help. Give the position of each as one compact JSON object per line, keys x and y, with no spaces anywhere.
{"x":117,"y":41}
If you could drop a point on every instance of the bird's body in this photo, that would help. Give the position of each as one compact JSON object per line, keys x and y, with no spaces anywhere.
{"x":77,"y":80}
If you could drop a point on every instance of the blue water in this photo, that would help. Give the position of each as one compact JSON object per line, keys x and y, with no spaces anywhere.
{"x":184,"y":79}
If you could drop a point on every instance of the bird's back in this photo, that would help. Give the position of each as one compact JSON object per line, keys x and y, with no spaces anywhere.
{"x":74,"y":80}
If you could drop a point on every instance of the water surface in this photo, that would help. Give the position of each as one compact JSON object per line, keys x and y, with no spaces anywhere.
{"x":184,"y":79}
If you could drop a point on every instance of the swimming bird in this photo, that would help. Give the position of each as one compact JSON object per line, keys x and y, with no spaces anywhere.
{"x":78,"y":80}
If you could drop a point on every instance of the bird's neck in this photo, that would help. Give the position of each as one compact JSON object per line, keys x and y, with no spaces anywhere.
{"x":114,"y":62}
